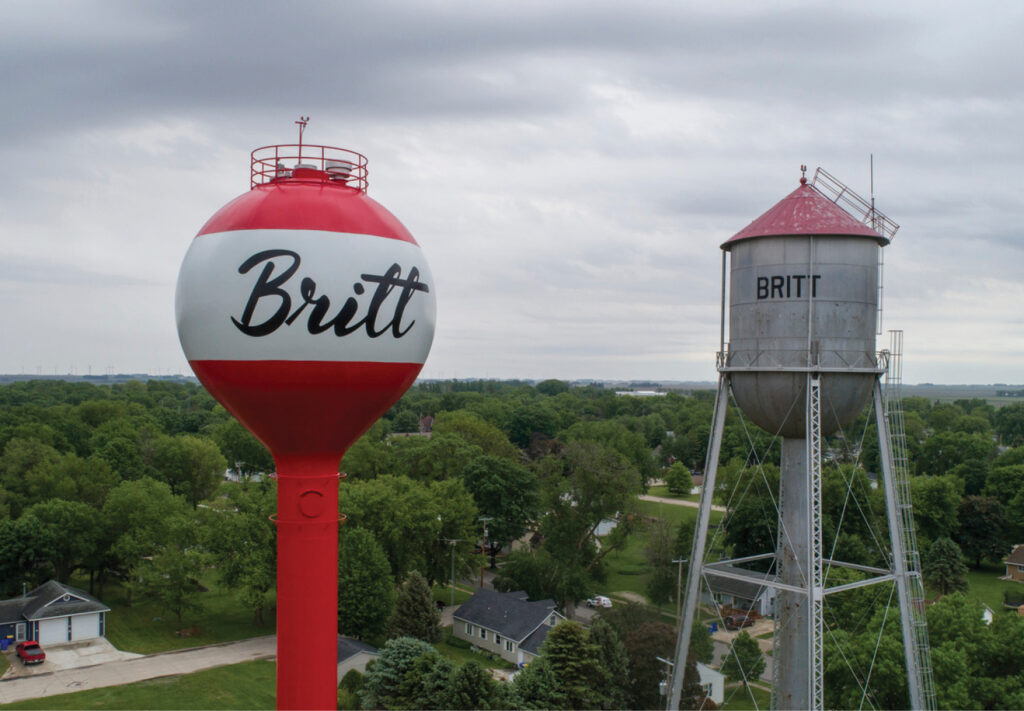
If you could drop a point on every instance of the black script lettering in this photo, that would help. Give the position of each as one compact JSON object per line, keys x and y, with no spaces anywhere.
{"x":265,"y":286}
{"x":385,"y":284}
{"x":316,"y":323}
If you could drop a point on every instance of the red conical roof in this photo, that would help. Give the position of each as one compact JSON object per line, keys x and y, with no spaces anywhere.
{"x":804,"y":211}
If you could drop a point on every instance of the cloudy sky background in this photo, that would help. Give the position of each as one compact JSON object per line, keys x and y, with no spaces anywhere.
{"x":569,"y":168}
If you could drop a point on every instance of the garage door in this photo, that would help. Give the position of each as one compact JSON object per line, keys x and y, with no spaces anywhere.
{"x":85,"y":626}
{"x":53,"y":631}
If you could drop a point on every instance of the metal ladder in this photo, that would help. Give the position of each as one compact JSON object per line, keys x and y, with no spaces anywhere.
{"x":897,"y":435}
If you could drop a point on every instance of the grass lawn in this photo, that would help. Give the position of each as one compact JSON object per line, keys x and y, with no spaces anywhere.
{"x":249,"y":685}
{"x":736,"y":698}
{"x":628,"y":570}
{"x":459,"y":655}
{"x":442,"y":593}
{"x":145,"y":628}
{"x":985,"y":586}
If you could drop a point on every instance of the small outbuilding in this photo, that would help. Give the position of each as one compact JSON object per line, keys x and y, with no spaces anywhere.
{"x":353,"y":654}
{"x":53,"y":613}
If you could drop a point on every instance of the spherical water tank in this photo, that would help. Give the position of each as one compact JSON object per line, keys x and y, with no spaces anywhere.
{"x":803,"y":293}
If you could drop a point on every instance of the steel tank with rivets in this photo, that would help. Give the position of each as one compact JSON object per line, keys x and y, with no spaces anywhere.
{"x":803,"y":293}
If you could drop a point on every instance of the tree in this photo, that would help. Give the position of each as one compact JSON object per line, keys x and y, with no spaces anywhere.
{"x":471,"y":687}
{"x":583,"y":487}
{"x":936,"y":500}
{"x":679,"y":478}
{"x":537,"y":687}
{"x":476,"y":431}
{"x":744,"y":661}
{"x":1009,"y":422}
{"x":72,"y":528}
{"x":415,"y":614}
{"x":137,"y":516}
{"x":384,"y":675}
{"x":614,"y":664}
{"x":366,"y":589}
{"x":244,"y":453}
{"x":242,"y":541}
{"x":983,"y":528}
{"x":943,"y":567}
{"x":659,"y":553}
{"x":191,"y":465}
{"x":576,"y":663}
{"x":440,"y":457}
{"x":504,"y":491}
{"x":172,"y":577}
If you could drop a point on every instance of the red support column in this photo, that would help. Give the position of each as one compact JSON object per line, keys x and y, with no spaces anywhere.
{"x":307,"y":582}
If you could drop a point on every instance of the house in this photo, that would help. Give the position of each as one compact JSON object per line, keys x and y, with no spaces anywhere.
{"x":713,"y":682}
{"x":506,"y":624}
{"x":353,"y":654}
{"x":53,"y":613}
{"x":747,"y":594}
{"x":1015,"y":564}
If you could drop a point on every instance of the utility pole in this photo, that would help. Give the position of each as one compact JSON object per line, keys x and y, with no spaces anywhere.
{"x":453,"y":541}
{"x":483,"y":547}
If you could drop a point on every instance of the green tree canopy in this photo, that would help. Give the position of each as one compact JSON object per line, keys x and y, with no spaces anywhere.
{"x":366,"y":589}
{"x":415,"y":613}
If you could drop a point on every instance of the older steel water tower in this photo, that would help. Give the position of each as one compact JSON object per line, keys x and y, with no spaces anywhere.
{"x":801,"y":363}
{"x":306,"y":309}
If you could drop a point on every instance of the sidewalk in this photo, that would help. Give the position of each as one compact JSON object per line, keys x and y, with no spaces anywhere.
{"x":679,"y":502}
{"x":152,"y":666}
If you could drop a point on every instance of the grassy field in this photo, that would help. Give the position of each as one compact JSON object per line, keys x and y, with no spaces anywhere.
{"x":249,"y":685}
{"x":737,"y":698}
{"x":442,"y":593}
{"x":459,"y":655}
{"x":985,"y":586}
{"x":628,"y":571}
{"x":146,"y":629}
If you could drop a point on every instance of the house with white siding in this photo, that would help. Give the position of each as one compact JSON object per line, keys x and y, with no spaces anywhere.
{"x":53,"y":613}
{"x":506,"y":624}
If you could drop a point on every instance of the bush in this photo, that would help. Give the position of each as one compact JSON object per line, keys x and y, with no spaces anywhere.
{"x":352,"y":681}
{"x":1013,"y":598}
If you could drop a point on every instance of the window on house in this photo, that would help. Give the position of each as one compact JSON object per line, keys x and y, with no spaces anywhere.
{"x":69,"y":629}
{"x":103,"y":623}
{"x":510,"y":646}
{"x":469,"y":628}
{"x":497,"y":638}
{"x":483,"y":633}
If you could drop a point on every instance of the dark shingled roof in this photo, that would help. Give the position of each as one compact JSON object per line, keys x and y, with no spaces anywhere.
{"x":348,"y":647}
{"x":508,"y":614}
{"x":532,"y":643}
{"x":46,"y":601}
{"x":739,"y":588}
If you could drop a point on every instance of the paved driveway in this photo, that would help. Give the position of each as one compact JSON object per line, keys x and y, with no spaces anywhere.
{"x":68,"y":656}
{"x":139,"y":668}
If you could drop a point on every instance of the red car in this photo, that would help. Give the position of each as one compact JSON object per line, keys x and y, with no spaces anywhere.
{"x":30,"y":652}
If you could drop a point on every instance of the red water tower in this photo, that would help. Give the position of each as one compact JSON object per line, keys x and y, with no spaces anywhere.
{"x":306,"y":309}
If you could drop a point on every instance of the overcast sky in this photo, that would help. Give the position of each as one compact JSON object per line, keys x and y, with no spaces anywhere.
{"x":569,"y":168}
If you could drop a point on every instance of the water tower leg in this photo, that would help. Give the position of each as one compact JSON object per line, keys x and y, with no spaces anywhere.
{"x":792,"y":611}
{"x":899,"y":554}
{"x":696,"y":574}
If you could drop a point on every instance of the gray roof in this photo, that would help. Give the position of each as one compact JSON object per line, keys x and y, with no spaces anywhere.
{"x":348,"y":647}
{"x":508,"y":614}
{"x":739,"y":588}
{"x":532,"y":643}
{"x":47,"y":601}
